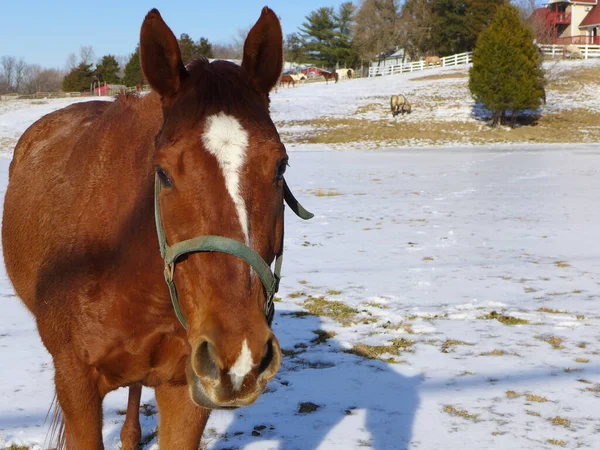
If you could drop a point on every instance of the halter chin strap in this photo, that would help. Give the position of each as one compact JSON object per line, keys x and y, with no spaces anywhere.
{"x":222,"y":244}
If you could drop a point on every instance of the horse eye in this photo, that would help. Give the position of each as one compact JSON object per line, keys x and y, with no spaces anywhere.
{"x":163,"y":177}
{"x":281,"y":169}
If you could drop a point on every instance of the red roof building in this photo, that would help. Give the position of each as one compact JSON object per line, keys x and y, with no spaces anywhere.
{"x":568,"y":22}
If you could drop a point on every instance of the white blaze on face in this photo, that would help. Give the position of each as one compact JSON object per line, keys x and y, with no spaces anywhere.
{"x":242,"y":367}
{"x":225,"y":138}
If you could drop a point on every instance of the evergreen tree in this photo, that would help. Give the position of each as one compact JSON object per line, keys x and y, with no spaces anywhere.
{"x":294,"y":49}
{"x":107,"y":70}
{"x":343,"y":51}
{"x":204,"y":48}
{"x":326,"y":37}
{"x":450,"y":34}
{"x":188,"y":48}
{"x":79,"y":79}
{"x":478,"y":16}
{"x":319,"y":35}
{"x":133,"y":70}
{"x":506,"y":73}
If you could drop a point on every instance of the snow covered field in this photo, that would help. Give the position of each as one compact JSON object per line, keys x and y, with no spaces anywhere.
{"x":453,"y":292}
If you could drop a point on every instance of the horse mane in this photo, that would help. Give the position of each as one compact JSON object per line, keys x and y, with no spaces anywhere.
{"x":218,"y":86}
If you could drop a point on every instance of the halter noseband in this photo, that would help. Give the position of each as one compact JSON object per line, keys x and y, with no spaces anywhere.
{"x":222,"y":244}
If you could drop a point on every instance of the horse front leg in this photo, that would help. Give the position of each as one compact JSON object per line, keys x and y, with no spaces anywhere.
{"x":181,"y":421}
{"x":80,"y":400}
{"x":131,"y":433}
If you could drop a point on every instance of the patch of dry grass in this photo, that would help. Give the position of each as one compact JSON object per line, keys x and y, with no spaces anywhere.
{"x":323,"y":192}
{"x":558,"y":442}
{"x":582,"y":360}
{"x":562,"y":264}
{"x":397,"y":346}
{"x":448,"y":344}
{"x":494,"y":353}
{"x":535,"y":398}
{"x":339,"y":311}
{"x":551,"y":311}
{"x":455,"y":412}
{"x":504,"y":319}
{"x":560,"y":421}
{"x":554,"y":341}
{"x":322,"y":336}
{"x":512,"y":394}
{"x":574,"y":125}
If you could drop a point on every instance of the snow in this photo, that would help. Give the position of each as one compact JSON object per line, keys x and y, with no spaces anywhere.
{"x":427,"y":244}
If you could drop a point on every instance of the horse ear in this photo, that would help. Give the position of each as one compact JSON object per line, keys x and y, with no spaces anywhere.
{"x":161,"y":57}
{"x":263,"y":51}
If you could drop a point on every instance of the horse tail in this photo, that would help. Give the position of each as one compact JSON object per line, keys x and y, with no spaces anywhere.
{"x":55,"y":438}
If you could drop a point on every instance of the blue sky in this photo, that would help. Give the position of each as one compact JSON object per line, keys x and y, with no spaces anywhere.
{"x":44,"y":31}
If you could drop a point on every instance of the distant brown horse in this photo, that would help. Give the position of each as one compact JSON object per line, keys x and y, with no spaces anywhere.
{"x":330,"y":76}
{"x":92,"y":189}
{"x":287,"y":79}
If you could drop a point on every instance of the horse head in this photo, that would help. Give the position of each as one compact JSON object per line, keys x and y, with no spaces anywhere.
{"x":220,"y":165}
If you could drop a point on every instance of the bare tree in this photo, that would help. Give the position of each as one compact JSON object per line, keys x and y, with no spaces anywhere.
{"x":377,"y":28}
{"x":71,"y":62}
{"x":418,"y":23}
{"x":237,"y":45}
{"x":226,"y":51}
{"x":526,"y":7}
{"x":122,"y":61}
{"x":7,"y":73}
{"x":44,"y":80}
{"x":20,"y":73}
{"x":86,"y":54}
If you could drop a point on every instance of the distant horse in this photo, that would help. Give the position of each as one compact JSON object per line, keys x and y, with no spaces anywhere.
{"x":287,"y":79}
{"x":298,"y":77}
{"x":330,"y":76}
{"x":342,"y":74}
{"x":572,"y":51}
{"x":197,"y":167}
{"x":350,"y":74}
{"x":432,"y":61}
{"x":399,"y":105}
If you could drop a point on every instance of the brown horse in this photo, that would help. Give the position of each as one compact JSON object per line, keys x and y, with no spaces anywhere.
{"x":287,"y":79}
{"x":330,"y":76}
{"x":92,"y":187}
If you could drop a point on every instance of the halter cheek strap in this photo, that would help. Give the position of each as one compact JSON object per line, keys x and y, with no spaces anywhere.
{"x":222,"y":244}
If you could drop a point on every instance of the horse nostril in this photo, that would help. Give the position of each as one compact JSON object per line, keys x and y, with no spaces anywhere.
{"x":205,"y":361}
{"x":267,"y":357}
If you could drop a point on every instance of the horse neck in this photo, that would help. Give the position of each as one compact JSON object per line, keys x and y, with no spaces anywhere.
{"x":135,"y":229}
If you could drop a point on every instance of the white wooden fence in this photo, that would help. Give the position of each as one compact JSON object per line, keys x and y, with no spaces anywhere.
{"x":557,"y":51}
{"x":446,"y":61}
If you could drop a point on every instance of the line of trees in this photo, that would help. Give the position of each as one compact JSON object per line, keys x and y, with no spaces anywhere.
{"x":371,"y":29}
{"x":16,"y":76}
{"x":348,"y":36}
